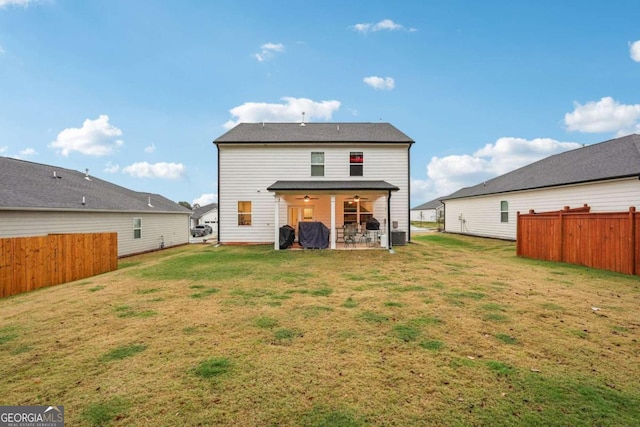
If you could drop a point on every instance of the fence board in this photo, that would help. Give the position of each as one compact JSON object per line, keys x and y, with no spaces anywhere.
{"x":603,"y":240}
{"x":29,"y":263}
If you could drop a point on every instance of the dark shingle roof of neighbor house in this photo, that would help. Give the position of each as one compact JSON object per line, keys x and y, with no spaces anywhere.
{"x":200,"y":211}
{"x":314,"y":133}
{"x":34,"y":186}
{"x":433,"y":204}
{"x":616,"y":158}
{"x":332,"y":185}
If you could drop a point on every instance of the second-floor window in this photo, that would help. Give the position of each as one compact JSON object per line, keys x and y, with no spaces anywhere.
{"x":317,"y":163}
{"x":356,"y":162}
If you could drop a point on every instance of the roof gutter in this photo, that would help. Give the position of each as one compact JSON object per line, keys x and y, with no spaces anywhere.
{"x":32,"y":209}
{"x":567,"y":184}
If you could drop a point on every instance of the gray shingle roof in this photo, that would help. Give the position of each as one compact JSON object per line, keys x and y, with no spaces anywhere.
{"x":28,"y":185}
{"x":314,"y":132}
{"x":202,"y":210}
{"x":331,"y":185}
{"x":616,"y":158}
{"x":433,"y":204}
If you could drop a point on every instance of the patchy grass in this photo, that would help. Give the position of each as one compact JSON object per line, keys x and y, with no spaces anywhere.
{"x":265,"y":322}
{"x":212,"y":368}
{"x":103,"y":413}
{"x":449,"y":330}
{"x":433,"y":345}
{"x":120,"y":353}
{"x":350,"y":303}
{"x":507,"y":339}
{"x":205,"y":292}
{"x":7,"y":334}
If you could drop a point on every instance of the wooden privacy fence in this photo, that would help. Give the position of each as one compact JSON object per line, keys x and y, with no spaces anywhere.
{"x":28,"y":263}
{"x":605,"y":240}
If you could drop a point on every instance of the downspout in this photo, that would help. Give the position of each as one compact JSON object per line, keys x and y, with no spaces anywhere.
{"x":218,"y":172}
{"x":409,"y":194}
{"x":389,"y":243}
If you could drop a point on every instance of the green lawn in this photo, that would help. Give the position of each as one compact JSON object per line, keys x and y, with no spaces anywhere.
{"x":449,"y":330}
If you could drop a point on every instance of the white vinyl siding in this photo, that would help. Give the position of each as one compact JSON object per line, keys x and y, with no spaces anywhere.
{"x":480,"y":215}
{"x":172,"y":228}
{"x":290,"y":162}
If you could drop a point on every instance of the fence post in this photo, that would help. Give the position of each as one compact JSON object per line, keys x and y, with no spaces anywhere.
{"x":518,"y":234}
{"x":560,"y":237}
{"x":632,"y":239}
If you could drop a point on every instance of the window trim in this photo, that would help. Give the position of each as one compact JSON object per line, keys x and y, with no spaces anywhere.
{"x":317,"y":164}
{"x":245,"y":214}
{"x":504,"y":211}
{"x":359,"y":212}
{"x":137,"y":228}
{"x":356,"y":163}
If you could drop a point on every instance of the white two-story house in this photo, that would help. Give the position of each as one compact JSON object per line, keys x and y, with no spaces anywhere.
{"x":276,"y":174}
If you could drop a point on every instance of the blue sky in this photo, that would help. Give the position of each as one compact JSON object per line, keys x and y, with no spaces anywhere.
{"x":136,"y":91}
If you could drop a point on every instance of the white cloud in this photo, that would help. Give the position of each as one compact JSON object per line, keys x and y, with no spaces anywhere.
{"x":290,"y":111}
{"x":23,"y":3}
{"x":3,"y":149}
{"x":155,"y":170}
{"x":511,"y":153}
{"x":150,"y":148}
{"x":27,"y":152}
{"x":451,"y":173}
{"x":384,"y":25}
{"x":205,"y":199}
{"x":111,"y":168}
{"x":268,"y":50}
{"x":634,"y":50}
{"x":95,"y":138}
{"x":381,"y":83}
{"x":605,"y":115}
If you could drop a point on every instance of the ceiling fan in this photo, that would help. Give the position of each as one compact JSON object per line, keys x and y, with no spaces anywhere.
{"x":306,"y":198}
{"x":357,"y":198}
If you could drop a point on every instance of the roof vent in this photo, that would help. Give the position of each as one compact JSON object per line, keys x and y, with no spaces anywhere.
{"x":302,"y":123}
{"x":55,"y":175}
{"x":84,"y":202}
{"x":86,"y":174}
{"x":149,"y":203}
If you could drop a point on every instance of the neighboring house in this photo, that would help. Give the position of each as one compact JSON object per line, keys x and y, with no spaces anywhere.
{"x":427,"y":212}
{"x":276,"y":174}
{"x":207,"y":215}
{"x":605,"y":176}
{"x":38,"y":199}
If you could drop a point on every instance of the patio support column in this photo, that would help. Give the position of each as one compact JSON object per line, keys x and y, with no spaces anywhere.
{"x":333,"y":221}
{"x":388,"y":230}
{"x":276,"y":222}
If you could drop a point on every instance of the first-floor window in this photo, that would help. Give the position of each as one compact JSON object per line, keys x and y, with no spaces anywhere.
{"x":137,"y":228}
{"x":357,"y":212}
{"x":244,"y":213}
{"x":504,"y":211}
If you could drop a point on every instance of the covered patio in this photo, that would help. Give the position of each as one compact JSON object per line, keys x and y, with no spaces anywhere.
{"x":343,"y":207}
